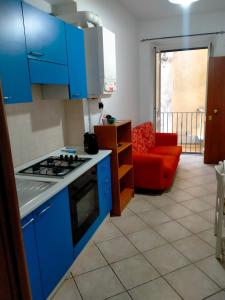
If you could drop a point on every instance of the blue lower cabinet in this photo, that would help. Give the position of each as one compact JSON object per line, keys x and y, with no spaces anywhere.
{"x":48,"y":244}
{"x":104,"y":186}
{"x":54,"y":240}
{"x":31,"y":253}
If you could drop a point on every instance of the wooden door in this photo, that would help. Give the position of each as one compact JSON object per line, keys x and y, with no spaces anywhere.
{"x":14,"y":283}
{"x":215,"y":114}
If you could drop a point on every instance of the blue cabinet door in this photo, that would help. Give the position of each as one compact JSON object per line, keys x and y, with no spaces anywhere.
{"x":14,"y":72}
{"x":76,"y":62}
{"x":45,"y":36}
{"x":32,"y":257}
{"x":104,"y":186}
{"x":54,"y":239}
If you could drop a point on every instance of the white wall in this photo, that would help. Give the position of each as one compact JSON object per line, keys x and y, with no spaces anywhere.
{"x":170,"y":27}
{"x":124,"y":103}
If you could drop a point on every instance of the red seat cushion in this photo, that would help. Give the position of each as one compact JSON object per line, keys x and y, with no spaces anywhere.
{"x":169,"y":165}
{"x":167,"y":150}
{"x":143,"y":138}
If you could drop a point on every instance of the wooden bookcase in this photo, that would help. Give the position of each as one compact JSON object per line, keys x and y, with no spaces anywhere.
{"x":117,"y":137}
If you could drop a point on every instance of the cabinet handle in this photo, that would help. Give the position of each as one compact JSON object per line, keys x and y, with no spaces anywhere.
{"x":28,"y":223}
{"x":75,"y":95}
{"x":7,"y":97}
{"x":38,"y":54}
{"x":44,"y":210}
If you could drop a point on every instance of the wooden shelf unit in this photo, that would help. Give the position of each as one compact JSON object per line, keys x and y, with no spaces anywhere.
{"x":117,"y":137}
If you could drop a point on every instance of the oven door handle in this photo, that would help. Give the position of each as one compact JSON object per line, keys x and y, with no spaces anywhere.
{"x":44,"y":211}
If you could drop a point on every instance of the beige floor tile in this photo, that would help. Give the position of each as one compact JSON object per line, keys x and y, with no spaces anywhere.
{"x":130,"y":224}
{"x":123,"y":296}
{"x":197,"y":191}
{"x":106,"y":232}
{"x":194,"y":248}
{"x":176,"y":211}
{"x":99,"y":284}
{"x":134,"y":271}
{"x":208,"y":236}
{"x":196,"y":205}
{"x":210,"y":199}
{"x":183,"y":184}
{"x":154,"y":217}
{"x":172,"y":231}
{"x":214,"y":269}
{"x":117,"y":249}
{"x":191,"y":283}
{"x":146,"y":239}
{"x":90,"y":259}
{"x":125,"y":213}
{"x":180,"y":196}
{"x":218,"y":296}
{"x":195,"y":223}
{"x":211,"y":187}
{"x":209,"y":215}
{"x":157,"y":289}
{"x":139,"y":204}
{"x":161,"y":201}
{"x":67,"y":291}
{"x":166,"y":259}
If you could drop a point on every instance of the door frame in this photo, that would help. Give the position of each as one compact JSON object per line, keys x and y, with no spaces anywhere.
{"x":15,"y":283}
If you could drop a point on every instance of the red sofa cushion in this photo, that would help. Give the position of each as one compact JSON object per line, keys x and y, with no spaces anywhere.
{"x":143,"y":138}
{"x":167,"y":150}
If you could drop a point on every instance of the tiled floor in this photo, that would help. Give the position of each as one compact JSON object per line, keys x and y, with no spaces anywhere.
{"x":162,"y":248}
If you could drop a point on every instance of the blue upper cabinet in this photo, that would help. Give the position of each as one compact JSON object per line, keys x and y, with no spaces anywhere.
{"x":14,"y":72}
{"x":46,"y":46}
{"x":76,"y":62}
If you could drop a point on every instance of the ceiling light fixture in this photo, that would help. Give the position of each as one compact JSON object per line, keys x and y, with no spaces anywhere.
{"x":184,"y":3}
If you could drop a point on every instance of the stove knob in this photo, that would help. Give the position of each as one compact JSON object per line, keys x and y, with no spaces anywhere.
{"x":76,"y":157}
{"x":66,"y":157}
{"x":50,"y":160}
{"x":61,"y":157}
{"x":71,"y":158}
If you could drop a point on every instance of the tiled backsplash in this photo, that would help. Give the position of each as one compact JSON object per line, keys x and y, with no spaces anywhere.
{"x":42,"y":126}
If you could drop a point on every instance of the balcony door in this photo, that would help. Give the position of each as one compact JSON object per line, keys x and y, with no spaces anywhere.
{"x":215,"y":116}
{"x":180,"y":97}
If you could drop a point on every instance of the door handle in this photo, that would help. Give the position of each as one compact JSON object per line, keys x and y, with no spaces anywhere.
{"x":38,"y":54}
{"x":28,"y":223}
{"x":44,"y":210}
{"x":215,"y":111}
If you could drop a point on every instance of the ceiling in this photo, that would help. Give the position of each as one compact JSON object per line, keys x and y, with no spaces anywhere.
{"x":158,"y":9}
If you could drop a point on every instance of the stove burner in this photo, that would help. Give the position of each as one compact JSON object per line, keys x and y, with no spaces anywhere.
{"x":58,"y":170}
{"x":58,"y":166}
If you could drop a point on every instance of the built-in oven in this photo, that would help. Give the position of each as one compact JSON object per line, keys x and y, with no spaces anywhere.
{"x":84,"y":206}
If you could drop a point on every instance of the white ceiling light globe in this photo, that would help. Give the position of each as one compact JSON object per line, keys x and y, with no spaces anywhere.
{"x":183,"y":2}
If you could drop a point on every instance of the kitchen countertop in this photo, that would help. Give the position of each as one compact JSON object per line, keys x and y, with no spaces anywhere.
{"x":28,"y":204}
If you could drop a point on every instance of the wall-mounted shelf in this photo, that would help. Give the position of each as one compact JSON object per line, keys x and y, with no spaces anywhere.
{"x":117,"y":137}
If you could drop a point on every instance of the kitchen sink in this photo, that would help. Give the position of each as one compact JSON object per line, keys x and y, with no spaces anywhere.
{"x":28,"y":190}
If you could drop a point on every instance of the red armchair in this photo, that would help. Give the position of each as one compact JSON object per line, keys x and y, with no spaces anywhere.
{"x":155,"y":157}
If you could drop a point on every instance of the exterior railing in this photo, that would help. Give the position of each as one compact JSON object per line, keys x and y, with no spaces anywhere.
{"x":190,"y":127}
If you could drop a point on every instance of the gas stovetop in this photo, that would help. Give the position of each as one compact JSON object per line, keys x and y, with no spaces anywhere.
{"x":55,"y":166}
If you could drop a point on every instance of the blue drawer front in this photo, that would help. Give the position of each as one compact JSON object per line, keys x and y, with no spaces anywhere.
{"x":48,"y":73}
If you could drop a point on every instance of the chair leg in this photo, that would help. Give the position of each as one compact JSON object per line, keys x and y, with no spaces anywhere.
{"x":219,"y":234}
{"x":216,"y":217}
